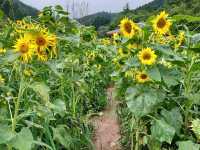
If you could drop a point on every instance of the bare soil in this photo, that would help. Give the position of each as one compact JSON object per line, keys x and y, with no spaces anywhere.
{"x":107,"y":130}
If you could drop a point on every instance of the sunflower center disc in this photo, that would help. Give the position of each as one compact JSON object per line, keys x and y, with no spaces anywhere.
{"x":143,"y":76}
{"x":24,"y":48}
{"x":146,"y":56}
{"x":161,"y":23}
{"x":128,"y":27}
{"x":40,"y":41}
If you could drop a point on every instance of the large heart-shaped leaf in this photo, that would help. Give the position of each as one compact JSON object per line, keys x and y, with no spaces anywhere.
{"x":162,"y":131}
{"x":154,"y":74}
{"x":5,"y":134}
{"x":60,"y":134}
{"x":142,"y":102}
{"x":187,"y":145}
{"x":59,"y":107}
{"x":195,"y":38}
{"x":169,"y":76}
{"x":23,"y":140}
{"x":42,"y":90}
{"x":173,"y":118}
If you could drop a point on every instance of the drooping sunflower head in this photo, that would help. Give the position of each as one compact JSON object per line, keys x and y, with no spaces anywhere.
{"x":128,"y":28}
{"x":41,"y":54}
{"x":24,"y":47}
{"x":161,"y":24}
{"x":52,"y":39}
{"x":41,"y":40}
{"x":44,"y":42}
{"x":142,"y":77}
{"x":147,"y":56}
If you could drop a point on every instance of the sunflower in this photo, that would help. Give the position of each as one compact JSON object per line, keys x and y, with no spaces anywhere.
{"x":130,"y":73}
{"x":41,"y":40}
{"x":168,"y":38}
{"x":116,"y":39}
{"x":147,"y":56}
{"x":142,"y":77}
{"x":41,"y":54}
{"x":116,"y":36}
{"x":91,"y":55}
{"x":124,"y":52}
{"x":22,"y":26}
{"x":161,"y":24}
{"x":24,"y":47}
{"x":52,"y":44}
{"x":181,"y":39}
{"x":105,"y":41}
{"x":2,"y":50}
{"x":128,"y":28}
{"x":44,"y":43}
{"x":28,"y":72}
{"x":117,"y":62}
{"x":132,"y":46}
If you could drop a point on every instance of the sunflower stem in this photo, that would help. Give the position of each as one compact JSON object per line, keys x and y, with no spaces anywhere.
{"x":17,"y":103}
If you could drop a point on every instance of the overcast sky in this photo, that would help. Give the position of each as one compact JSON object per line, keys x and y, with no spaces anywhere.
{"x":93,"y":5}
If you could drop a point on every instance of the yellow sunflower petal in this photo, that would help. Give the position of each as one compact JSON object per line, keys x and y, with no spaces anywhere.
{"x":128,"y":28}
{"x":142,"y":77}
{"x":24,"y":47}
{"x":147,"y":56}
{"x":161,"y":24}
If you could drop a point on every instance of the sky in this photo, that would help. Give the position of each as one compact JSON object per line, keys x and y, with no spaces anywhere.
{"x":93,"y":5}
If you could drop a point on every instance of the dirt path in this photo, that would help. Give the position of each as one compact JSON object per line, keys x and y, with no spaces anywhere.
{"x":107,"y":131}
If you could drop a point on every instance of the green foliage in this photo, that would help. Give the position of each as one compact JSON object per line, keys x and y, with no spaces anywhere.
{"x":160,"y":103}
{"x":162,"y":131}
{"x":142,"y":102}
{"x":47,"y":105}
{"x":184,"y":145}
{"x":22,"y":140}
{"x":6,"y":134}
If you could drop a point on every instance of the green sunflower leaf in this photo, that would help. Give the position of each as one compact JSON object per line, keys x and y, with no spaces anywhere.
{"x":23,"y":140}
{"x":188,"y":145}
{"x":162,"y":131}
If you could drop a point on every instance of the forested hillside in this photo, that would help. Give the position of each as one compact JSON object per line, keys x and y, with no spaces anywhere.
{"x":174,"y":7}
{"x":16,"y":9}
{"x":181,"y":9}
{"x":98,"y":19}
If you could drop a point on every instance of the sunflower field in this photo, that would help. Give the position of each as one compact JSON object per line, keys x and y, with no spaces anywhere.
{"x":54,"y":73}
{"x":156,"y":76}
{"x":53,"y":76}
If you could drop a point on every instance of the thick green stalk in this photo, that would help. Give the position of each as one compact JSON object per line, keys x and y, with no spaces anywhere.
{"x":187,"y":91}
{"x":17,"y":105}
{"x":132,"y":133}
{"x":49,"y":134}
{"x":137,"y":136}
